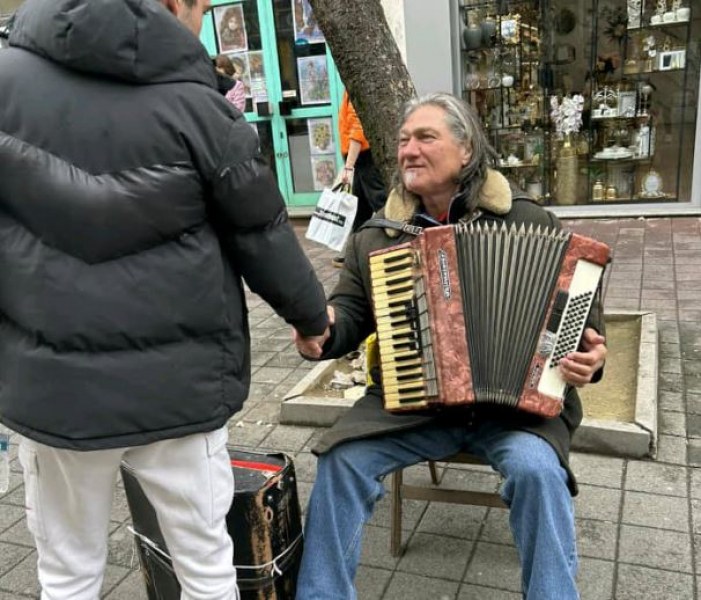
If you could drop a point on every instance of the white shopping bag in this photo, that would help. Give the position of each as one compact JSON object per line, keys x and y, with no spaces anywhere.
{"x":333,"y":217}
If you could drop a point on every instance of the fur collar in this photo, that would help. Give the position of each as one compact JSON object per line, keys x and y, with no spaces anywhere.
{"x":495,"y":196}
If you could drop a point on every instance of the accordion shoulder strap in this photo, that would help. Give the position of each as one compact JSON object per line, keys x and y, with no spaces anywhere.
{"x":390,"y":224}
{"x":408,"y":227}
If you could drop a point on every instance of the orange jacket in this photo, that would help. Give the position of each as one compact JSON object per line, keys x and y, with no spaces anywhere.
{"x":349,"y":126}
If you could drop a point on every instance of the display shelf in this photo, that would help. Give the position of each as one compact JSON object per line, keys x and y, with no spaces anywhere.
{"x":645,"y":70}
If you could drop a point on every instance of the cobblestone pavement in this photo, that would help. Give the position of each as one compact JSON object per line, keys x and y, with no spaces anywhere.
{"x":638,"y":521}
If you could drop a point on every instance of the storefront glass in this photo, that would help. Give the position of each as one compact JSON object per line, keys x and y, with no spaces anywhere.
{"x":587,"y":103}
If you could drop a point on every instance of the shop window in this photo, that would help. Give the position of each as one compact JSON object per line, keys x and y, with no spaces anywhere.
{"x":586,"y":103}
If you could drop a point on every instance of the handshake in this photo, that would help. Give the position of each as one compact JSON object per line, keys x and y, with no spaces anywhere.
{"x":311,"y":347}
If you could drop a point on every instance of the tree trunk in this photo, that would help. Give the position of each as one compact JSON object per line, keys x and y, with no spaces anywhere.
{"x":372,"y":69}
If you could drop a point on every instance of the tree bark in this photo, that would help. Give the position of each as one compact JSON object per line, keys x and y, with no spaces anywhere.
{"x":372,"y":69}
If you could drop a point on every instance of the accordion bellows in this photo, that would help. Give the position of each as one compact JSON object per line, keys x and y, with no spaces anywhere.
{"x":482,"y":314}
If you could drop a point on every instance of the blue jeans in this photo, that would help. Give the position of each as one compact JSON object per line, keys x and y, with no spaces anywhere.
{"x":349,"y":482}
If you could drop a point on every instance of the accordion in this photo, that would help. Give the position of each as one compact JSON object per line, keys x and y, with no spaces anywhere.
{"x":482,"y":314}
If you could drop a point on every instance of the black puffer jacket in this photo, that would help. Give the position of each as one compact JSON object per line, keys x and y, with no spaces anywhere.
{"x":133,"y":200}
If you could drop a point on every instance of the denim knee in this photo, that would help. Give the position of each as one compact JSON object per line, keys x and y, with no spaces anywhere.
{"x":350,"y":466}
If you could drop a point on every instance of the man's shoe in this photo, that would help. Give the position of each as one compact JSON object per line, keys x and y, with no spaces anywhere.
{"x":337,"y":261}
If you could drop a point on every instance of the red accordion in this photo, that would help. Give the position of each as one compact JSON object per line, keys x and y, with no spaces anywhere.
{"x":482,"y":314}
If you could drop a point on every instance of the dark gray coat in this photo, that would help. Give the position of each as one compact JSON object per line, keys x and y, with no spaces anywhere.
{"x":133,"y":203}
{"x":354,"y":322}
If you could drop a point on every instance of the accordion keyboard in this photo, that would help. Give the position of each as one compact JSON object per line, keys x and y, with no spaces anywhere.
{"x":399,"y":324}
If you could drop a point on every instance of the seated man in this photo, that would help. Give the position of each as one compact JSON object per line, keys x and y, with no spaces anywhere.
{"x":445,"y":171}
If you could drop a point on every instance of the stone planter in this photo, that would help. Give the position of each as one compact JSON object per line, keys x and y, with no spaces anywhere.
{"x":620,"y":412}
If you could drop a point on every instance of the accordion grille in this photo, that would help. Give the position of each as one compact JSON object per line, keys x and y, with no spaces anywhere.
{"x":507,"y":276}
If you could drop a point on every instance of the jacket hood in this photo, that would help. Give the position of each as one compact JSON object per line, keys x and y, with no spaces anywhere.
{"x":137,"y":41}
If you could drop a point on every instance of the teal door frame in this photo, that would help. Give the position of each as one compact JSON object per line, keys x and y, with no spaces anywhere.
{"x":304,"y":201}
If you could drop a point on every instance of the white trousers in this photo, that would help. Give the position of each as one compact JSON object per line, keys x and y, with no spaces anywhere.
{"x":69,"y":496}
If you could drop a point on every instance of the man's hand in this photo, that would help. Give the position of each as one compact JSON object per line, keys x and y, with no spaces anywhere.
{"x":311,"y":347}
{"x":578,"y":368}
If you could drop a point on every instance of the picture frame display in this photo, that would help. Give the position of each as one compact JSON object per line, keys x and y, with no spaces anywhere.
{"x":313,"y":76}
{"x":509,"y":29}
{"x":230,"y":27}
{"x":626,"y":103}
{"x":323,"y":171}
{"x":321,"y":139}
{"x":306,"y":28}
{"x":671,"y":59}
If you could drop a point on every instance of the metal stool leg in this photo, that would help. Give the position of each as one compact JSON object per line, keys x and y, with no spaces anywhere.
{"x":434,"y":473}
{"x":396,"y":514}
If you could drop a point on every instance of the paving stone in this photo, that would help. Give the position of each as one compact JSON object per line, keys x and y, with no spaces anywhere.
{"x":476,"y":592}
{"x":695,"y":483}
{"x":11,"y":555}
{"x":636,"y":583}
{"x":598,"y":503}
{"x":248,"y":434}
{"x":18,"y":534}
{"x":671,"y":550}
{"x":595,"y":579}
{"x":665,"y":512}
{"x":9,"y":515}
{"x":272,"y":375}
{"x":494,"y":565}
{"x":693,"y":426}
{"x":693,"y":452}
{"x":604,"y":471}
{"x":436,"y":556}
{"x":406,"y":585}
{"x":693,"y":403}
{"x":649,"y":477}
{"x":114,"y":574}
{"x":261,"y":357}
{"x":288,"y":439}
{"x":132,"y":587}
{"x":672,"y":401}
{"x":671,"y":423}
{"x":121,"y":548}
{"x":671,"y":382}
{"x":454,"y":520}
{"x":496,"y":528}
{"x":375,"y":548}
{"x":412,"y":511}
{"x":266,"y":412}
{"x":671,"y":449}
{"x":22,"y":578}
{"x":370,"y":582}
{"x":596,"y":539}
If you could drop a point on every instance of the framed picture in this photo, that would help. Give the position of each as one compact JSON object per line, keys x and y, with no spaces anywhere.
{"x":323,"y":171}
{"x":626,"y":104}
{"x":671,"y":59}
{"x":509,"y":29}
{"x":256,"y":70}
{"x":321,"y":136}
{"x":313,"y":80}
{"x":230,"y":26}
{"x":305,"y":25}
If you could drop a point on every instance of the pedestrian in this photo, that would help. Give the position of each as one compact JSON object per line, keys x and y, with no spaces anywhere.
{"x":133,"y":206}
{"x":230,"y":82}
{"x":445,"y":169}
{"x":359,"y":168}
